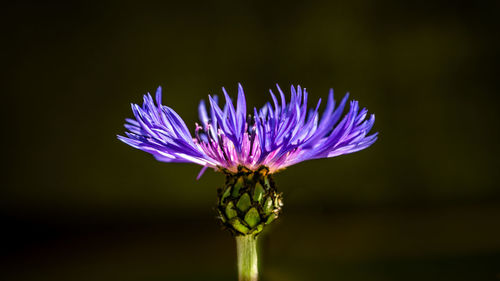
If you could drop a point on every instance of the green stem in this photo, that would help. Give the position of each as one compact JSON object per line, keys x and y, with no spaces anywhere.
{"x":246,"y":250}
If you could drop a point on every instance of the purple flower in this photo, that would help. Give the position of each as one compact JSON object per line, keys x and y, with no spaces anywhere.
{"x":276,"y":136}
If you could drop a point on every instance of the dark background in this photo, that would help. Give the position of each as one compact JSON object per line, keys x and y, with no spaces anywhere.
{"x":423,"y":203}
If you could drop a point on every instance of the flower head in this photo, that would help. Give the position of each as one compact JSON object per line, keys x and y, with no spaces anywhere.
{"x":275,"y":136}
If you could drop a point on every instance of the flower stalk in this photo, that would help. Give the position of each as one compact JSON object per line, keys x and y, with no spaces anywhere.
{"x":246,"y":251}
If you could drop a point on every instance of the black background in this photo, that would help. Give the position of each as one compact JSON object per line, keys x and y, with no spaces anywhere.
{"x":421,"y":204}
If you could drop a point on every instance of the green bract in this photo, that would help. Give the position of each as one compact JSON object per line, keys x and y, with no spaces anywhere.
{"x":248,"y":201}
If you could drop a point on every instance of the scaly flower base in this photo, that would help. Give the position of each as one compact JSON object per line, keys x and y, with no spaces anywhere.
{"x":248,"y":201}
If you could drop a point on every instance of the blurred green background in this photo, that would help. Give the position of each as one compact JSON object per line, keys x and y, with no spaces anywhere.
{"x":423,"y":203}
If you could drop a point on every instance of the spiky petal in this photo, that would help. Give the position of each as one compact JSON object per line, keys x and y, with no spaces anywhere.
{"x":276,"y":136}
